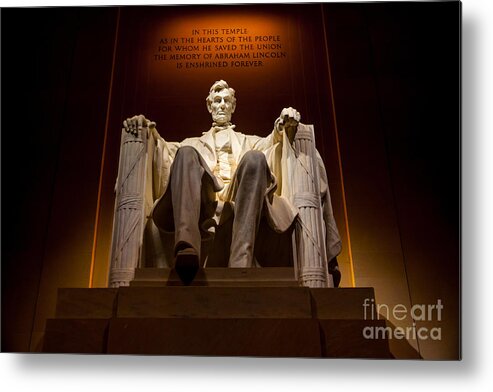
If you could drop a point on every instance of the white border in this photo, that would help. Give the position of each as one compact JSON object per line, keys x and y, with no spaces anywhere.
{"x":130,"y":373}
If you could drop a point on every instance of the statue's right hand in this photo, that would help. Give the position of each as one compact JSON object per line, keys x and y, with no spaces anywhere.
{"x":134,"y":124}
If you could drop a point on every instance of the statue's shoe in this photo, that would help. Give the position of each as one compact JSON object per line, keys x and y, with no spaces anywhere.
{"x":187,"y":265}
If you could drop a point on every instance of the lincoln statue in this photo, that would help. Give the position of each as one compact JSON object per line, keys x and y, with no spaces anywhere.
{"x":226,"y":180}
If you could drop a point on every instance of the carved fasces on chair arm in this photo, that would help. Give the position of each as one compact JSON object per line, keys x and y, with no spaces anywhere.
{"x":130,"y":199}
{"x":311,"y":256}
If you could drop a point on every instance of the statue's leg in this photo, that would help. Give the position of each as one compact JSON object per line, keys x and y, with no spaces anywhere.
{"x":191,"y":195}
{"x":252,"y":178}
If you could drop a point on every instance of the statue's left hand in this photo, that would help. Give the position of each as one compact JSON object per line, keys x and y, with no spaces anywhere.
{"x":288,"y":121}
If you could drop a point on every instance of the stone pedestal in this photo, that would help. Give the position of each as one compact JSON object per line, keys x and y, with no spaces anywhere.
{"x":220,"y":277}
{"x":218,"y":320}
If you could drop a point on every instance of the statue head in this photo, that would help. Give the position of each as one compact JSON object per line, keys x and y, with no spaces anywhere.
{"x":221,"y":102}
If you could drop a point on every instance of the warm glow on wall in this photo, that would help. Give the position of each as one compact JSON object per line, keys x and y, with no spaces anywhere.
{"x":226,"y":44}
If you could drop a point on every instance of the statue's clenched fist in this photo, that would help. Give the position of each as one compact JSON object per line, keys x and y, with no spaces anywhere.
{"x":288,"y":122}
{"x":290,"y":116}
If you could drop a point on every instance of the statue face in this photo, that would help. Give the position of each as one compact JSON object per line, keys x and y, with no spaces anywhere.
{"x":222,"y":107}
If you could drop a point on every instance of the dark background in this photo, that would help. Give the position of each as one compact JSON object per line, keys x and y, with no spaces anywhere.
{"x":396,"y":83}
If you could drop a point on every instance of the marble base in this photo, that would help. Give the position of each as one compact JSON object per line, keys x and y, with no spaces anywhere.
{"x":222,"y":277}
{"x":85,"y":336}
{"x":221,"y":321}
{"x":215,"y":337}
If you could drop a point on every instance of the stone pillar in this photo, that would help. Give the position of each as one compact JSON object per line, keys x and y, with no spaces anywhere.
{"x":310,"y":253}
{"x":129,"y":215}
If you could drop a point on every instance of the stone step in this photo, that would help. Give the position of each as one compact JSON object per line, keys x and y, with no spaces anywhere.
{"x":81,"y":336}
{"x":228,"y":277}
{"x":96,"y":303}
{"x":214,"y":302}
{"x":346,"y":339}
{"x":195,"y":320}
{"x":271,"y":337}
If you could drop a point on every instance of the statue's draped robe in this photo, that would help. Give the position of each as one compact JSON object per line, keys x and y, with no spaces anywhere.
{"x":279,"y":210}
